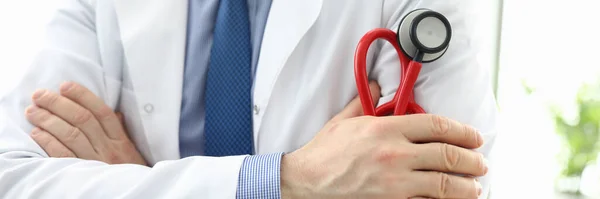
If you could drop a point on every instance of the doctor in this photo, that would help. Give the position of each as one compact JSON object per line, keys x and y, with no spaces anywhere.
{"x":293,"y":90}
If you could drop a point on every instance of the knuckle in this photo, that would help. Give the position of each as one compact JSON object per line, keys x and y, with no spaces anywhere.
{"x":44,"y":116}
{"x":470,"y":134}
{"x":440,"y":125}
{"x":104,"y":113}
{"x":451,"y":156}
{"x":41,"y":138}
{"x":72,"y":134}
{"x":81,"y":116}
{"x":445,"y":184}
{"x":77,"y":91}
{"x":376,"y":127}
{"x":36,"y":132}
{"x":50,"y":98}
{"x":333,"y":126}
{"x":390,"y":155}
{"x":480,"y":163}
{"x":386,"y":155}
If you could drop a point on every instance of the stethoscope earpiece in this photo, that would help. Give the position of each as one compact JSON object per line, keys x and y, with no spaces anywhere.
{"x":424,"y":35}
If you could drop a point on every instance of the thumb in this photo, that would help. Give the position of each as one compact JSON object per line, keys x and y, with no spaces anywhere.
{"x":354,"y":108}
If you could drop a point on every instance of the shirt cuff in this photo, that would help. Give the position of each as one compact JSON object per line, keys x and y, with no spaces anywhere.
{"x":260,"y":177}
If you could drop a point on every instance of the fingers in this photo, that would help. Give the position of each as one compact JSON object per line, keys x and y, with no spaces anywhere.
{"x":425,"y":128}
{"x":72,"y":113}
{"x":441,"y":185}
{"x":375,"y":95}
{"x":449,"y":159}
{"x":354,"y":108}
{"x":103,"y":113}
{"x":120,"y":116}
{"x":69,"y":136}
{"x":50,"y":144}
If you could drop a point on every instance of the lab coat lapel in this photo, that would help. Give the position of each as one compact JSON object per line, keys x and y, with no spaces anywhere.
{"x":287,"y":24}
{"x":153,"y":33}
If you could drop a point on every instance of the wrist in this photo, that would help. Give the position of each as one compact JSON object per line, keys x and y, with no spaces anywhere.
{"x":294,"y":184}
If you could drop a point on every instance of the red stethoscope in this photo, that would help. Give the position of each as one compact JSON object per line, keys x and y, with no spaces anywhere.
{"x":423,"y":37}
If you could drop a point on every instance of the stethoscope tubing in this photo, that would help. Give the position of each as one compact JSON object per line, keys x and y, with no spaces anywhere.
{"x":406,"y":39}
{"x":406,"y":88}
{"x":403,"y":99}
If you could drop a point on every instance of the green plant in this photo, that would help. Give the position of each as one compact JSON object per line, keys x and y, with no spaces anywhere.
{"x":581,"y":135}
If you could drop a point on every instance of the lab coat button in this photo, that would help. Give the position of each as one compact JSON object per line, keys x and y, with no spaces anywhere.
{"x":149,"y":108}
{"x":256,"y":109}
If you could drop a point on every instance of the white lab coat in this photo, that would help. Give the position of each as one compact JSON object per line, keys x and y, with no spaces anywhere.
{"x":131,"y":53}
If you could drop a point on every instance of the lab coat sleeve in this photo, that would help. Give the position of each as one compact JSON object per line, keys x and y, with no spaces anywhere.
{"x":26,"y":171}
{"x":457,"y":85}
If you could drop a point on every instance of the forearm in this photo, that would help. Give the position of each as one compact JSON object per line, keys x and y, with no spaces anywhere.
{"x":27,"y":172}
{"x":38,"y":177}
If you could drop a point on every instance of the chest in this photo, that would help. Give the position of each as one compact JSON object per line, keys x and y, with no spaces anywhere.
{"x":304,"y":74}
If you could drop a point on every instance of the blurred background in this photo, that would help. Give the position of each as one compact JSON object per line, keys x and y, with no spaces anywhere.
{"x":543,"y":55}
{"x":548,"y":91}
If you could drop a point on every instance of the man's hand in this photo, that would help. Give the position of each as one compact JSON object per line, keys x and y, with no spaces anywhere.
{"x":403,"y":157}
{"x":77,"y":123}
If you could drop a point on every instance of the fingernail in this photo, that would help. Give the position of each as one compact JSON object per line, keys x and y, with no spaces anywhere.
{"x":374,"y":85}
{"x":32,"y":109}
{"x":35,"y":131}
{"x":38,"y":94}
{"x":479,"y":139}
{"x":485,"y":165}
{"x":66,"y":86}
{"x":479,"y":189}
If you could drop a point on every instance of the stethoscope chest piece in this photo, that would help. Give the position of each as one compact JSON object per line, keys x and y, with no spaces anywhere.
{"x":424,"y":35}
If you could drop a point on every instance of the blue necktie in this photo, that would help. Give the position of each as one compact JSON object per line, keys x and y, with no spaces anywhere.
{"x":228,"y":127}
